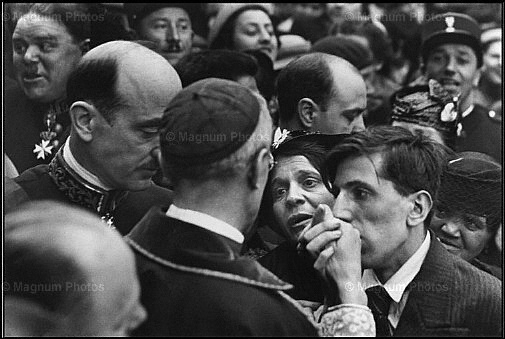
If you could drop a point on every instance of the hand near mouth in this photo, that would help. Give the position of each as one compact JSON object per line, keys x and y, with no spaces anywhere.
{"x":323,"y":229}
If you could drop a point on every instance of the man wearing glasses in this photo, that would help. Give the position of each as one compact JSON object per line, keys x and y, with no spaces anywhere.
{"x":215,"y":147}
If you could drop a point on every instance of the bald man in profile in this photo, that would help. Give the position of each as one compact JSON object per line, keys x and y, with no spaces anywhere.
{"x":67,"y":275}
{"x":117,"y":95}
{"x":319,"y":92}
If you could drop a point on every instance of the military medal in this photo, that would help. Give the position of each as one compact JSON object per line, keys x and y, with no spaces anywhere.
{"x":48,"y":142}
{"x":109,"y":220}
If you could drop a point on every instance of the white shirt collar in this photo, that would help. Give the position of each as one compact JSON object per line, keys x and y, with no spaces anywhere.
{"x":205,"y":221}
{"x":397,"y":284}
{"x":81,"y":171}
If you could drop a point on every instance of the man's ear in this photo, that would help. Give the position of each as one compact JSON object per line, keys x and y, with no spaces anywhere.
{"x":307,"y":110}
{"x":84,"y":119}
{"x":258,"y":171}
{"x":421,"y":204}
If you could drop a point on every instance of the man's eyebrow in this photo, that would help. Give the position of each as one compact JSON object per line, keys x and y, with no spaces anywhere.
{"x":354,"y":183}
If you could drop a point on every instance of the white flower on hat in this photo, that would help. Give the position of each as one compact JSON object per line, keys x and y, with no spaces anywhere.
{"x":279,"y":137}
{"x":448,"y":113}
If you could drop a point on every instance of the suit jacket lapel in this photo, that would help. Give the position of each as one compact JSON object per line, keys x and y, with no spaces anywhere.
{"x":428,"y":308}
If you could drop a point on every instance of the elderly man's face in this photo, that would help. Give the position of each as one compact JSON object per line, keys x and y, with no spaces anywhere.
{"x":170,"y":28}
{"x":44,"y":55}
{"x":125,"y":150}
{"x":374,"y":207}
{"x":455,"y":67}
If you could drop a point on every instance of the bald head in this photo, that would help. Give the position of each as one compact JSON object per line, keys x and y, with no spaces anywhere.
{"x":319,"y":82}
{"x":115,"y":72}
{"x":71,"y":265}
{"x":118,"y":94}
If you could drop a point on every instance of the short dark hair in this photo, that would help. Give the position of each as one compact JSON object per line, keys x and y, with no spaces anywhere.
{"x":74,"y":16}
{"x":95,"y":80}
{"x":412,"y":162}
{"x":308,"y":76}
{"x":221,"y":63}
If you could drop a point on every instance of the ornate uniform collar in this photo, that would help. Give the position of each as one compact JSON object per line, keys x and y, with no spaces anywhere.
{"x":83,"y":193}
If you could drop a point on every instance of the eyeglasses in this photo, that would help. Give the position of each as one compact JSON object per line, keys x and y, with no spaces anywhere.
{"x":271,"y":161}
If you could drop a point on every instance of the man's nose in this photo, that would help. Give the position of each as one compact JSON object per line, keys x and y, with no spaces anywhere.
{"x":342,"y":208}
{"x":450,"y":66}
{"x":32,"y":54}
{"x":358,"y":124}
{"x":172,"y":33}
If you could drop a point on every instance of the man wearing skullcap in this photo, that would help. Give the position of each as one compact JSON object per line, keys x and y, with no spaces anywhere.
{"x":215,"y":146}
{"x":166,"y":24}
{"x":429,"y":110}
{"x":452,"y":55}
{"x":470,"y":208}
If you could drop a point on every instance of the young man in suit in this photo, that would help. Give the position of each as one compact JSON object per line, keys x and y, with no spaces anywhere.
{"x":385,"y":181}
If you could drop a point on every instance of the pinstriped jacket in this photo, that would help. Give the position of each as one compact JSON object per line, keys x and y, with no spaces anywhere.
{"x":194,"y":283}
{"x":450,"y":297}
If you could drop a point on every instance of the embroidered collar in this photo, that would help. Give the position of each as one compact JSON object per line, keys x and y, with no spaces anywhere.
{"x":467,"y":111}
{"x":82,"y":192}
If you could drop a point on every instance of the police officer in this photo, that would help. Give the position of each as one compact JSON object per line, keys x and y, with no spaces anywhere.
{"x":452,"y":55}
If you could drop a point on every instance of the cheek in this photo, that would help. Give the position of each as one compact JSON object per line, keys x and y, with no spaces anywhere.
{"x":279,"y":210}
{"x":243,"y":42}
{"x":475,"y":241}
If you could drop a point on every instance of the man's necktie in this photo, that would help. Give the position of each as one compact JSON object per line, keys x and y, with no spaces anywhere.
{"x":379,"y":301}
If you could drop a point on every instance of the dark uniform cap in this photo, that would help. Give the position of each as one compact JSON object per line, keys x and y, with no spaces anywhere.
{"x":451,"y":28}
{"x":208,"y":121}
{"x":426,"y":105}
{"x":472,"y":183}
{"x":138,"y":11}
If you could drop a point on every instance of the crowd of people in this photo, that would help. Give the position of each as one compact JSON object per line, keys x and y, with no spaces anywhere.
{"x":252,"y":169}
